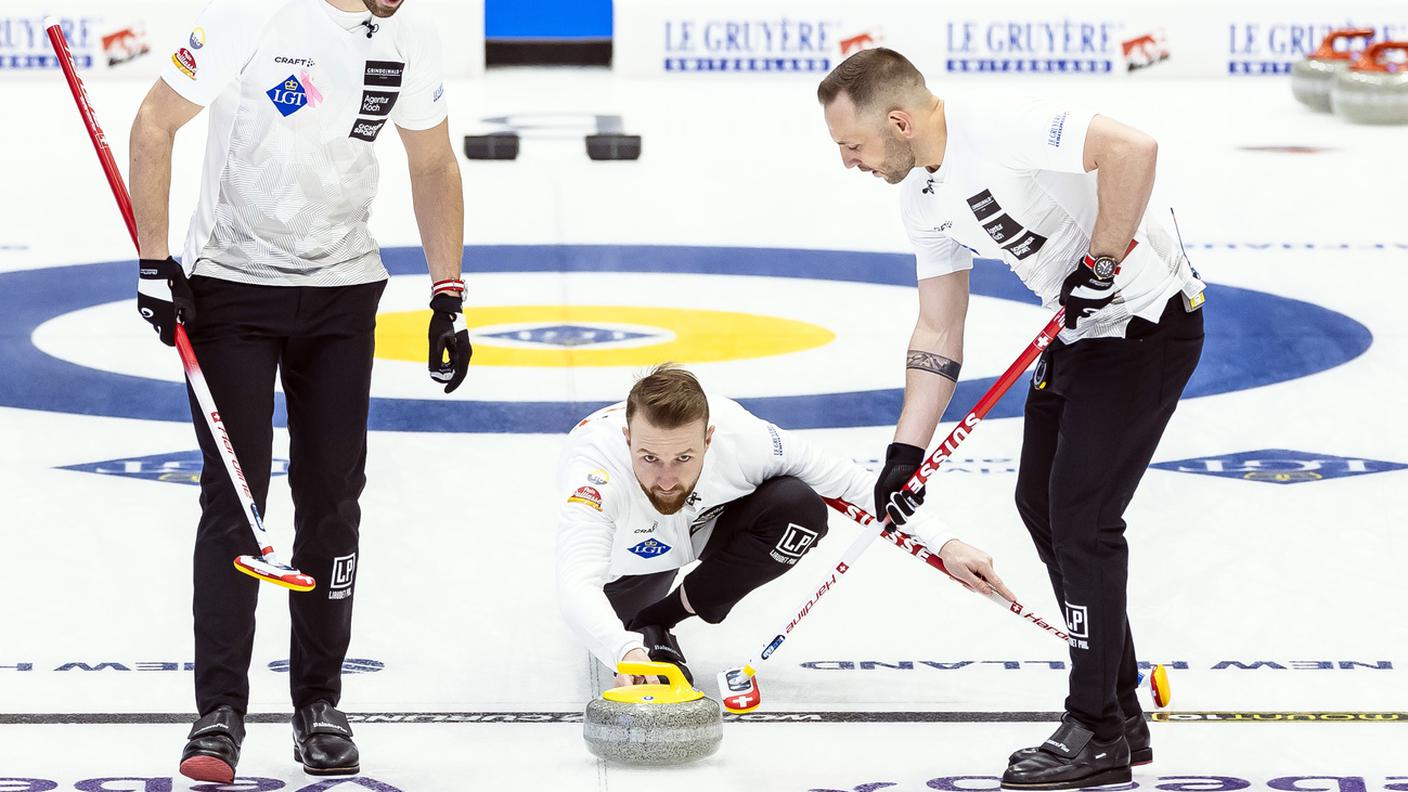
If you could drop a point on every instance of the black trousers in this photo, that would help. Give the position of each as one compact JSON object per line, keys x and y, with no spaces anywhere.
{"x":320,"y":341}
{"x":1087,"y":440}
{"x":756,"y":538}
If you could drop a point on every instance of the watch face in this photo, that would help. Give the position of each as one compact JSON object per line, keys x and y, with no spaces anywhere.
{"x":1104,"y":268}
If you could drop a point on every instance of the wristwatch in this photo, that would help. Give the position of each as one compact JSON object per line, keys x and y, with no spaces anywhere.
{"x":1104,"y":267}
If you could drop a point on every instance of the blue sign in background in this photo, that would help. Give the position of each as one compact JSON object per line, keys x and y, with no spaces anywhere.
{"x":547,"y":19}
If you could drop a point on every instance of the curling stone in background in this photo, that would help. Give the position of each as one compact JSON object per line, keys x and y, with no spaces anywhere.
{"x":1312,"y":78}
{"x":1374,"y":89}
{"x":666,"y":724}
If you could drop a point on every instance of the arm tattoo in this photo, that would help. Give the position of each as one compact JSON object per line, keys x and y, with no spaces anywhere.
{"x":920,"y":360}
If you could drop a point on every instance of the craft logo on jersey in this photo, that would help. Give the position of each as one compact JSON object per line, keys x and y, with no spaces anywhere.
{"x":289,"y":96}
{"x":1144,"y":51}
{"x":178,"y":467}
{"x":650,"y":548}
{"x":1060,"y":45}
{"x":344,"y":571}
{"x":587,"y":496}
{"x":125,"y":45}
{"x":793,"y":545}
{"x":185,"y":61}
{"x":1258,"y":48}
{"x":756,"y":44}
{"x":1280,"y":466}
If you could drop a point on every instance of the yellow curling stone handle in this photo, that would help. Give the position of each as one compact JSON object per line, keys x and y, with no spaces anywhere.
{"x":678,"y":691}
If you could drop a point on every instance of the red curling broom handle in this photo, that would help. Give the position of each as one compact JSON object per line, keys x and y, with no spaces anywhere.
{"x":276,"y":572}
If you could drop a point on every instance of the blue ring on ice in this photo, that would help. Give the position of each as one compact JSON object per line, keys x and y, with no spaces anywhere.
{"x":1253,"y":339}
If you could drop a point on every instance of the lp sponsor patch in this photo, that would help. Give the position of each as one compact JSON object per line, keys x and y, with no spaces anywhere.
{"x":289,"y":96}
{"x":650,"y":548}
{"x":1280,"y":466}
{"x":367,"y":129}
{"x":1078,"y":625}
{"x":587,"y":496}
{"x":598,"y":477}
{"x":793,"y":544}
{"x":344,"y":572}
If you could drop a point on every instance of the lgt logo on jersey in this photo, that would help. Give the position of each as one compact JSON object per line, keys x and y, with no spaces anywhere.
{"x":288,"y":96}
{"x":650,"y":548}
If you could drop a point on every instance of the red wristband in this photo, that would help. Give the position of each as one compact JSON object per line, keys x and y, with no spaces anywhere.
{"x":447,"y":286}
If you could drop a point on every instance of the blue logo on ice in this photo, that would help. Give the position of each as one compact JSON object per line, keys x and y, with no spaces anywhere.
{"x":177,"y":467}
{"x":568,"y":335}
{"x":350,"y":665}
{"x":1280,"y":466}
{"x":289,"y":96}
{"x":650,"y":548}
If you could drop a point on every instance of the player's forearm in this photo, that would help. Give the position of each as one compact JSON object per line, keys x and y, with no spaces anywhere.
{"x":931,"y":375}
{"x":438,"y":198}
{"x":925,"y":399}
{"x":149,"y":174}
{"x":583,"y":557}
{"x":1125,"y":180}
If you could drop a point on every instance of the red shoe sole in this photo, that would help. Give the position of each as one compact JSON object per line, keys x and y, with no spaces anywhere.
{"x":207,"y":768}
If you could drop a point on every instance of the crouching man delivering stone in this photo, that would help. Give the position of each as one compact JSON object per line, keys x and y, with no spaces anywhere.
{"x":671,"y":476}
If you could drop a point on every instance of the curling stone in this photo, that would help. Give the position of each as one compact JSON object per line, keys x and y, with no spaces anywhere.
{"x":1374,"y":90}
{"x":1312,"y":78}
{"x":667,"y":724}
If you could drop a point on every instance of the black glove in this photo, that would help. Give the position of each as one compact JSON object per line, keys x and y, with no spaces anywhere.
{"x":1084,"y":293}
{"x":449,"y":338}
{"x":164,"y":297}
{"x":901,"y":460}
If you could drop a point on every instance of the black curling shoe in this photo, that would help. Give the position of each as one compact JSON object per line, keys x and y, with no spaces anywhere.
{"x":1071,"y":758}
{"x":213,"y":746}
{"x":322,"y":741}
{"x":1136,"y":733}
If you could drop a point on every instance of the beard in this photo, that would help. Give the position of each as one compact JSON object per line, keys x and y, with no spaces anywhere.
{"x":670,"y":504}
{"x":899,"y":160}
{"x":380,"y":11}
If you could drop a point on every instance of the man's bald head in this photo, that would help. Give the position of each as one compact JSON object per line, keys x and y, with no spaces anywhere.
{"x":876,"y":81}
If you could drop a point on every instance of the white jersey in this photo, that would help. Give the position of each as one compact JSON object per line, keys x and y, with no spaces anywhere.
{"x":298,"y":93}
{"x":608,"y":528}
{"x":1012,"y":186}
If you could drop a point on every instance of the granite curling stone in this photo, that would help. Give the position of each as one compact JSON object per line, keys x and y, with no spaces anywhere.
{"x":1312,"y":78}
{"x":669,"y":724}
{"x":1374,"y":90}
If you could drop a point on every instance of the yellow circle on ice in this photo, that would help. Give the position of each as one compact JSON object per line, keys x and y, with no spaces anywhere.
{"x":604,"y":335}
